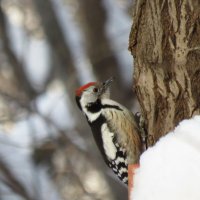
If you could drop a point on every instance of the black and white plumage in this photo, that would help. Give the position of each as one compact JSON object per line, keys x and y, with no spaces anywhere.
{"x":113,"y":126}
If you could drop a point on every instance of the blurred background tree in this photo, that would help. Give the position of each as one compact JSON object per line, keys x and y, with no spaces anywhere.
{"x":48,"y":49}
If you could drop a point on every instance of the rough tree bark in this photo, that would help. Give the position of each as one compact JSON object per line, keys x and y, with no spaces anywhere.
{"x":165,"y":44}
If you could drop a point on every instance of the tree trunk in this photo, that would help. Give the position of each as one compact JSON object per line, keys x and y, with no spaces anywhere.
{"x":165,"y":44}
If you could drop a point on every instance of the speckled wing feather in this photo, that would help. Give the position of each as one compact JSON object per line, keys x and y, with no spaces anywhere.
{"x":122,"y":123}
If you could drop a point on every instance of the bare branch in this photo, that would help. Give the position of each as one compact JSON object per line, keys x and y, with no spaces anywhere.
{"x":13,"y":183}
{"x":18,"y":68}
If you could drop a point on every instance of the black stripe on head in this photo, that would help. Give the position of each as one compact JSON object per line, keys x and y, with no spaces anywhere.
{"x":111,"y":106}
{"x":94,"y":107}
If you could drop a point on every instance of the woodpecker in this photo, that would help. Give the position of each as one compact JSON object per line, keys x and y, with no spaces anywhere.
{"x":113,"y":126}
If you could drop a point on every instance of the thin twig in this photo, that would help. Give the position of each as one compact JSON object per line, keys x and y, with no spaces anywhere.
{"x":13,"y":183}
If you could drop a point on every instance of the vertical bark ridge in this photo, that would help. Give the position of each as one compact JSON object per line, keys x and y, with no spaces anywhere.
{"x":164,"y":42}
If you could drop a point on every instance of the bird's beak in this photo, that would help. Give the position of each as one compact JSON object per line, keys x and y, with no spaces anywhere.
{"x":105,"y":85}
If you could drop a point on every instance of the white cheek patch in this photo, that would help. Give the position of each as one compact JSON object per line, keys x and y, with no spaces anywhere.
{"x":91,"y":116}
{"x":108,"y":145}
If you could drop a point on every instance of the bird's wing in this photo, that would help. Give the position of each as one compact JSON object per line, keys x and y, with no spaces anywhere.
{"x":121,"y":121}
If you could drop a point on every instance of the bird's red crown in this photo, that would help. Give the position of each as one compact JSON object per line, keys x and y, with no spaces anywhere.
{"x":80,"y":90}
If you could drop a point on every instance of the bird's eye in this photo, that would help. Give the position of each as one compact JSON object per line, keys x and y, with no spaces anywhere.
{"x":95,"y":90}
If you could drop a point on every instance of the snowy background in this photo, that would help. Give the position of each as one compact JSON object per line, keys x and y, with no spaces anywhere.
{"x":46,"y":148}
{"x":170,"y":169}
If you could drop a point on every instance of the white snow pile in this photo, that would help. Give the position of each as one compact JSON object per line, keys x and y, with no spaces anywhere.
{"x":171,"y":169}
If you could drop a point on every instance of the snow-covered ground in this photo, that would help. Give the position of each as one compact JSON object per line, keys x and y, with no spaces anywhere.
{"x":170,"y":169}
